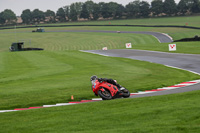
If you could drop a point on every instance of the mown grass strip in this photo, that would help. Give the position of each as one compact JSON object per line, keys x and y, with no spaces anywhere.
{"x":169,"y":113}
{"x":74,"y":41}
{"x":60,"y":41}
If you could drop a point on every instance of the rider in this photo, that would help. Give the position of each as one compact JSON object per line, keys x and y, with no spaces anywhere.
{"x":111,"y":81}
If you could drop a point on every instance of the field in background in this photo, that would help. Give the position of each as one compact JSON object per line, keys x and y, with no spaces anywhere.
{"x":76,"y":41}
{"x":59,"y":41}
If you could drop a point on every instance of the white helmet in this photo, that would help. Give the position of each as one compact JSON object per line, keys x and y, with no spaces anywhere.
{"x":93,"y":79}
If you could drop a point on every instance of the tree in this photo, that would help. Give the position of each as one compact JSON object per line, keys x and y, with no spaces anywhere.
{"x":157,"y":7}
{"x":26,"y":16}
{"x":73,"y":15}
{"x":84,"y":13}
{"x":90,"y":6}
{"x":119,"y":11}
{"x":78,"y":7}
{"x":2,"y":19}
{"x":50,"y":15}
{"x":38,"y":16}
{"x":144,"y":9}
{"x":9,"y":16}
{"x":105,"y":10}
{"x":73,"y":11}
{"x":183,"y":6}
{"x":169,"y":7}
{"x":133,"y":9}
{"x":100,"y":5}
{"x":61,"y":15}
{"x":67,"y":11}
{"x":195,"y":8}
{"x":115,"y":9}
{"x":96,"y":11}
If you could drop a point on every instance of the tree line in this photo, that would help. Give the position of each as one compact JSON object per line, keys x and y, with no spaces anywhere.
{"x":90,"y":10}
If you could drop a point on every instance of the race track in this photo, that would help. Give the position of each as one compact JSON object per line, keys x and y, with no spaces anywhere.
{"x":161,"y":37}
{"x":187,"y":62}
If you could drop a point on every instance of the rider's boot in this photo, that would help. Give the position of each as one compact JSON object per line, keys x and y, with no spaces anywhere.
{"x":123,"y":89}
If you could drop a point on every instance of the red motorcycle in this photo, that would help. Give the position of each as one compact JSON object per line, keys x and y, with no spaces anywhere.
{"x":108,"y":91}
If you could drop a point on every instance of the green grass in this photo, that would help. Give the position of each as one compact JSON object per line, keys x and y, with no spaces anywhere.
{"x":44,"y":77}
{"x":60,"y":41}
{"x":176,"y":113}
{"x":75,"y":41}
{"x":35,"y":78}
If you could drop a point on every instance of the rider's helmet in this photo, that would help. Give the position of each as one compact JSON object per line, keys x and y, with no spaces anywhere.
{"x":93,"y":79}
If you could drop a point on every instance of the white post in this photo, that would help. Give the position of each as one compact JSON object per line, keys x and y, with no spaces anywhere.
{"x":128,"y":45}
{"x":172,"y":47}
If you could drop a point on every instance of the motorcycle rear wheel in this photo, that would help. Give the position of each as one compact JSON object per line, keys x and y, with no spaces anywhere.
{"x":105,"y":95}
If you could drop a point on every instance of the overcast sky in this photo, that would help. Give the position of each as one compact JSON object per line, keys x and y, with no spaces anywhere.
{"x":17,"y":6}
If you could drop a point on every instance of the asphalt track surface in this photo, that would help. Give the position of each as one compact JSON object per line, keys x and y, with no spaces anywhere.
{"x":162,"y":38}
{"x":187,"y":62}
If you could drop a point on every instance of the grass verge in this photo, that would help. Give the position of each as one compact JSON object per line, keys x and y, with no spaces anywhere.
{"x":170,"y":113}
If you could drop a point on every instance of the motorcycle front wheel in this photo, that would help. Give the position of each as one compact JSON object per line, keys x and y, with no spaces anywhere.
{"x":126,"y":93}
{"x":105,"y":95}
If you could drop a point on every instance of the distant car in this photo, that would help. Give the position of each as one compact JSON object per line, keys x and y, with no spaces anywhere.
{"x":39,"y":30}
{"x":118,"y":31}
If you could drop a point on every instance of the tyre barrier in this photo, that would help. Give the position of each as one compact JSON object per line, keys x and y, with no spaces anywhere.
{"x":127,"y":25}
